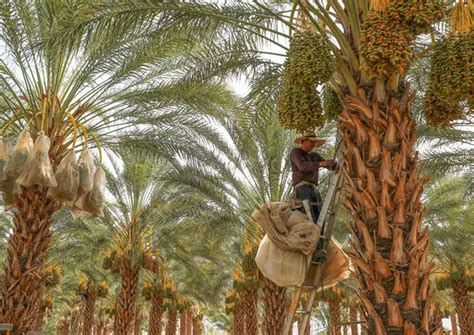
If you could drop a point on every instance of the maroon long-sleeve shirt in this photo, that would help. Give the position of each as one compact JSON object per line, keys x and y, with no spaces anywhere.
{"x":305,"y":165}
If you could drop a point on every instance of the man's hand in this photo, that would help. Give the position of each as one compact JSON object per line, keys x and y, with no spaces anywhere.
{"x":329,"y":164}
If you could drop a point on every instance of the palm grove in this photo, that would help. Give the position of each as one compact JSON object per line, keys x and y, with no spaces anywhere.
{"x":123,"y":112}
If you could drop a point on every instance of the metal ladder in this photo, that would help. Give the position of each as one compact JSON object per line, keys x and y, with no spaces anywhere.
{"x":314,"y":272}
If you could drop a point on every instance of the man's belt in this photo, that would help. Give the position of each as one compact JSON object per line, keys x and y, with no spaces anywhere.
{"x":297,"y":203}
{"x":304,"y":182}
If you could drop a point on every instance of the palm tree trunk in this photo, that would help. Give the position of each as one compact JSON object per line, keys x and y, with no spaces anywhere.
{"x":345,"y":329}
{"x":263,"y":327}
{"x":155,"y":323}
{"x":251,"y":313}
{"x":26,"y":256}
{"x":172,"y":322}
{"x":383,"y":197}
{"x":38,"y":317}
{"x":88,"y":316}
{"x":239,"y":319}
{"x":438,"y":317}
{"x":363,"y":320}
{"x":126,"y":299}
{"x":463,"y":306}
{"x":353,"y":318}
{"x":454,"y":323}
{"x":182,"y":323}
{"x":106,"y":329}
{"x":189,"y":322}
{"x":276,"y":304}
{"x":137,"y":324}
{"x":307,"y":331}
{"x":76,"y":314}
{"x":197,"y":325}
{"x":63,"y":328}
{"x":335,"y":316}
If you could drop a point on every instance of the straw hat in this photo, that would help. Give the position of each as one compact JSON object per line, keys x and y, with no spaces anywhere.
{"x":309,"y":135}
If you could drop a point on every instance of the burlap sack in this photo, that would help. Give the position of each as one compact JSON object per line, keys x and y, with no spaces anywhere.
{"x":337,"y":266}
{"x":287,"y":268}
{"x":289,"y":230}
{"x":284,"y":268}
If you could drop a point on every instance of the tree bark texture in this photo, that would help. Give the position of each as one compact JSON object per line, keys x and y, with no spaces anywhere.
{"x":335,"y":316}
{"x":197,"y":325}
{"x":363,"y":320}
{"x":250,"y":298}
{"x":63,"y":328}
{"x":276,"y":303}
{"x":307,"y":330}
{"x":454,"y":323}
{"x":182,"y":323}
{"x":137,"y":323}
{"x":102,"y":325}
{"x":239,"y":319}
{"x":106,"y":329}
{"x":127,"y":297}
{"x":172,"y":322}
{"x":463,"y":307}
{"x":354,"y":320}
{"x":382,"y":194}
{"x":155,"y":323}
{"x":38,"y":317}
{"x":20,"y":288}
{"x":189,"y":321}
{"x":438,"y":317}
{"x":88,"y":317}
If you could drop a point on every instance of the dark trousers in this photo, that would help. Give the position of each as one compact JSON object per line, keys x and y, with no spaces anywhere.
{"x":310,"y":193}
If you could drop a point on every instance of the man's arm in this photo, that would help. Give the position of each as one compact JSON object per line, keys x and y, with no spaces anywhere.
{"x":326,"y":163}
{"x":301,"y":164}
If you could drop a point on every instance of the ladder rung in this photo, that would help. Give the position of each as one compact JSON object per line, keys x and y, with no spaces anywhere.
{"x":319,"y":253}
{"x":309,"y":287}
{"x":6,"y":326}
{"x":302,"y":312}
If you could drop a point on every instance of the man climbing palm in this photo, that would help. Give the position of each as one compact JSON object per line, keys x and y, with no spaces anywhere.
{"x":305,"y":166}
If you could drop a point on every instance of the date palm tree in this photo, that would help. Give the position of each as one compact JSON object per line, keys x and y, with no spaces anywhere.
{"x":90,"y":290}
{"x":78,"y":92}
{"x":136,"y":192}
{"x":153,"y":291}
{"x":450,"y":211}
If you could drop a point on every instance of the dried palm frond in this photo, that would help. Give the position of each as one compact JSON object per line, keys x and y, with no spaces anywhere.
{"x":462,"y":16}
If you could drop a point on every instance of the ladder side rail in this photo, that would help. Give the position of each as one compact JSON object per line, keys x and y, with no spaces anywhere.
{"x":317,"y":279}
{"x":334,"y":187}
{"x":292,"y":310}
{"x":319,"y":269}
